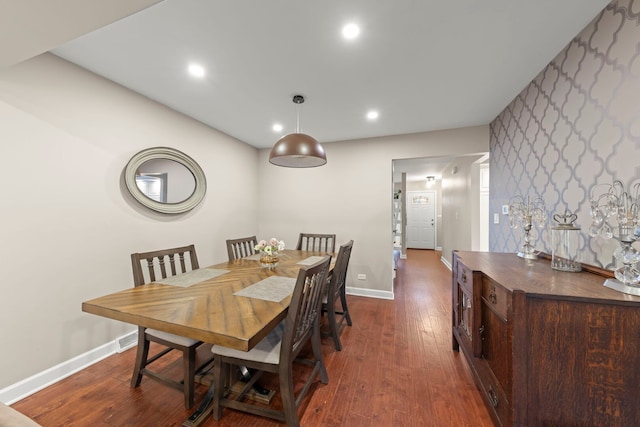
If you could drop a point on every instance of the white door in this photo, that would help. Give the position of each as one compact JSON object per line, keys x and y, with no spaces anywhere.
{"x":421,"y":225}
{"x":153,"y":186}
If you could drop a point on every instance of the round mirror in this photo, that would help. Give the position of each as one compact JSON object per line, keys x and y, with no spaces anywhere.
{"x":165,"y":180}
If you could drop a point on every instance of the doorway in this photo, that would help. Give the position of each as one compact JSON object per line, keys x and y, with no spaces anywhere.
{"x":153,"y":185}
{"x":421,"y":220}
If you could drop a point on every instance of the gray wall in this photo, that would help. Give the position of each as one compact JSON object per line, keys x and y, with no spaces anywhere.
{"x":68,"y":225}
{"x":576,"y":124}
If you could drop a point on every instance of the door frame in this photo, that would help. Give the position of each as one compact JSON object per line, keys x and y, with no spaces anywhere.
{"x":435,"y":215}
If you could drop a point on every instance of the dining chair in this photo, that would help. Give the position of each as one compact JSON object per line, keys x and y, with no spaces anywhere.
{"x":336,"y":291}
{"x":242,"y":247}
{"x":316,"y":242}
{"x":160,"y":265}
{"x":277,"y":352}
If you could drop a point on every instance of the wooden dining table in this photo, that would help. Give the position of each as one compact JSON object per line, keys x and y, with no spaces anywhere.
{"x":234,"y":304}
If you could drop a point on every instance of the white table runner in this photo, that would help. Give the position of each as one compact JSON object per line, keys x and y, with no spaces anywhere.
{"x":192,"y":277}
{"x":311,"y":260}
{"x":273,"y":288}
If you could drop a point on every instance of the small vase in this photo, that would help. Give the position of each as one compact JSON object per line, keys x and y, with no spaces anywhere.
{"x":269,"y":261}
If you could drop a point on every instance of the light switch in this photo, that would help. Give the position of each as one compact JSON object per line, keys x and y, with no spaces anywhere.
{"x":496,"y":218}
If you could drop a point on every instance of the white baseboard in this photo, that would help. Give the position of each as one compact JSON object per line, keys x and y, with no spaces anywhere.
{"x":445,"y":262}
{"x":15,"y":392}
{"x":18,"y":391}
{"x":372,"y":293}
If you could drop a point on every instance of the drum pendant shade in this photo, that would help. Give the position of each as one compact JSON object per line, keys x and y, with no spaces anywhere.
{"x":297,"y":150}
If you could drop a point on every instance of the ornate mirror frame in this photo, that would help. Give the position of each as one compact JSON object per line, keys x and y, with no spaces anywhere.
{"x":165,"y":153}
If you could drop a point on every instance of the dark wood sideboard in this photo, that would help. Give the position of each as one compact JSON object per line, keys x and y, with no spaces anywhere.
{"x":545,"y":347}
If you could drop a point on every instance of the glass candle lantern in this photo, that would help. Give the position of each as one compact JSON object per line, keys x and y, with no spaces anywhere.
{"x":565,"y":238}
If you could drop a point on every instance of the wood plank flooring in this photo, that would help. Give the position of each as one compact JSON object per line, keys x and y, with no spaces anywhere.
{"x":397,"y":368}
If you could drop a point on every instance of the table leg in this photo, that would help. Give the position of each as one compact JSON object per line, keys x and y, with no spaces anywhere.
{"x":206,"y":408}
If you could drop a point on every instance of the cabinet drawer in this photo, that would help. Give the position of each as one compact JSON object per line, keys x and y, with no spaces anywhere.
{"x":465,"y":276}
{"x":495,"y":396}
{"x":496,"y":297}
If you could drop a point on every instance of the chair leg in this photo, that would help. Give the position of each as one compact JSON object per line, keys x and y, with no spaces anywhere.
{"x":189,"y":368}
{"x":345,"y":309}
{"x":316,"y":346}
{"x":288,"y":397}
{"x":220,"y":372}
{"x":142,"y":353}
{"x":333,"y":326}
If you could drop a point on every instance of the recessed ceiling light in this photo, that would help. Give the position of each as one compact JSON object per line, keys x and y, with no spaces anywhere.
{"x":350,"y":31}
{"x":277,"y":127}
{"x":372,"y":115}
{"x":196,"y":70}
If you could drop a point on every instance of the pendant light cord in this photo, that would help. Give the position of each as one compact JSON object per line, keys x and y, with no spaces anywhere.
{"x":298,"y":99}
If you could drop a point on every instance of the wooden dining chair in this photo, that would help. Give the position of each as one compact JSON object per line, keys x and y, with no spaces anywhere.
{"x":336,"y":292}
{"x":316,"y":242}
{"x":277,"y":352}
{"x":242,"y":247}
{"x":159,"y":265}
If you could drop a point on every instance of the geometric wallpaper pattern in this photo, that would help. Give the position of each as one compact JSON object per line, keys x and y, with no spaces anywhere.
{"x":576,"y":124}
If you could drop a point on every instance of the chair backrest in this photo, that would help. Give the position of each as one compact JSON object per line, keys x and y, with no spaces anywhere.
{"x":317,"y":242}
{"x":240,"y":248}
{"x":339,"y":273}
{"x":156,"y":264}
{"x":304,"y":309}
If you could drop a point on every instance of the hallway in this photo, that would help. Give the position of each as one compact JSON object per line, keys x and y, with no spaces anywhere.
{"x":442,"y":393}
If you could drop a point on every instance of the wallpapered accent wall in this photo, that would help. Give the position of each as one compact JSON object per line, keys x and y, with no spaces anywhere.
{"x":576,"y":124}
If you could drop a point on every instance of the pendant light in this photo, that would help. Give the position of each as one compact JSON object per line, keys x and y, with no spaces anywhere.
{"x":297,"y":150}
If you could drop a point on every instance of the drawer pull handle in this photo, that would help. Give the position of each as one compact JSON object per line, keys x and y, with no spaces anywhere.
{"x":493,"y":397}
{"x":492,"y":295}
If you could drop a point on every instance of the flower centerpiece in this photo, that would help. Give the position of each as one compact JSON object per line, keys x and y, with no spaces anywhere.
{"x":269,"y":251}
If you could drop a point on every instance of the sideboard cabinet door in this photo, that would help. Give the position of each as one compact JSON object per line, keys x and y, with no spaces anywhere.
{"x":467,"y":296}
{"x":497,"y":350}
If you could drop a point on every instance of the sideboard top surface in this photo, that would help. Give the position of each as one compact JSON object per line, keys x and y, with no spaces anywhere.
{"x":537,"y":278}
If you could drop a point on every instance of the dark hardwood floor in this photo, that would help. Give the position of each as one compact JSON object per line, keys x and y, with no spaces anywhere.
{"x":397,"y":368}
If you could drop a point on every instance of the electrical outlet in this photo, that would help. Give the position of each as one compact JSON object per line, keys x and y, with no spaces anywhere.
{"x":362,"y":276}
{"x":496,"y":218}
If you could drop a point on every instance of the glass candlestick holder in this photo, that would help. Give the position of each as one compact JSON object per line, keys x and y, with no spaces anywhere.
{"x":565,"y":236}
{"x":526,"y":213}
{"x":615,"y":214}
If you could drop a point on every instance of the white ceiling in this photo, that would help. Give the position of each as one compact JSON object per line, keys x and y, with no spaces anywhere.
{"x":424,"y":65}
{"x":31,"y":27}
